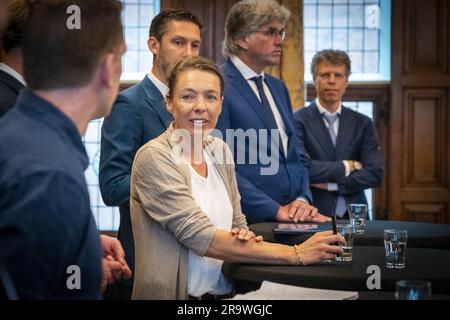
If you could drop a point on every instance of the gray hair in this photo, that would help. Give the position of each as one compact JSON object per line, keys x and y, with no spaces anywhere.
{"x":333,"y":57}
{"x":248,"y":16}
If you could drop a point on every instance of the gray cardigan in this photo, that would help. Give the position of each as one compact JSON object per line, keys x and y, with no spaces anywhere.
{"x":166,"y":219}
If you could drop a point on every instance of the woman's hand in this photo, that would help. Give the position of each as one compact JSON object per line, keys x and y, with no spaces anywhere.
{"x":245,"y":235}
{"x":321,"y":246}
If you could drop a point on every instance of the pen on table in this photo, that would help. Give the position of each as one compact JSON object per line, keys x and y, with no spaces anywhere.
{"x":333,"y":224}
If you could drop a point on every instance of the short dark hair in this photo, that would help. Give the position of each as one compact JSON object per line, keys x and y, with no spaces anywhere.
{"x":333,"y":57}
{"x":159,"y":23}
{"x":57,"y":57}
{"x":193,"y":63}
{"x":18,"y":11}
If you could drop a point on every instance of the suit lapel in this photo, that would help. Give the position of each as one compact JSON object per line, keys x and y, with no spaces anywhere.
{"x":278,"y":102}
{"x":239,"y":82}
{"x":156,"y":101}
{"x":283,"y":113}
{"x":344,"y":137}
{"x":319,"y":130}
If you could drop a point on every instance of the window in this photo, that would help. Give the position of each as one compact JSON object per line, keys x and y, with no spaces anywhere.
{"x":359,"y":27}
{"x":137,"y":61}
{"x":137,"y":16}
{"x":362,"y":29}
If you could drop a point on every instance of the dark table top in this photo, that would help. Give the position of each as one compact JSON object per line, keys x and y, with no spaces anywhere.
{"x":420,"y":235}
{"x":421,"y":264}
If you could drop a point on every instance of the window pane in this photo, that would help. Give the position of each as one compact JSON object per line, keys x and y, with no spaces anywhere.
{"x":356,"y":16}
{"x":340,"y":16}
{"x":355,"y":26}
{"x":340,"y":39}
{"x":324,"y":15}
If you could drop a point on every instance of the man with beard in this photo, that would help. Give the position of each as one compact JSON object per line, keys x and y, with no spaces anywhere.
{"x":139,"y":115}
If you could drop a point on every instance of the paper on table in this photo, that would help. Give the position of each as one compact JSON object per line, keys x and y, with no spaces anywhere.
{"x":276,"y":291}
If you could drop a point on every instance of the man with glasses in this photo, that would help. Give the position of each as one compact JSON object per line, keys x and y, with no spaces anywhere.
{"x":343,"y":155}
{"x":253,"y":100}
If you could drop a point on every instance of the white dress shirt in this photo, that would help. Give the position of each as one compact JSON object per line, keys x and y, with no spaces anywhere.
{"x":204,"y":273}
{"x":13,"y":73}
{"x":341,"y":205}
{"x":162,"y":87}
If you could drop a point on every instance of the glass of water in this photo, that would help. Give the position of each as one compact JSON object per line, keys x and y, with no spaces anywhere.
{"x":358,"y":214}
{"x":395,"y":247}
{"x":348,"y":232}
{"x":413,"y":290}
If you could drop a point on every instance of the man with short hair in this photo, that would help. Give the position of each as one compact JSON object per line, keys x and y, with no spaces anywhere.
{"x":11,"y":67}
{"x":254,"y":100}
{"x":343,"y":154}
{"x":139,"y":115}
{"x":42,"y":184}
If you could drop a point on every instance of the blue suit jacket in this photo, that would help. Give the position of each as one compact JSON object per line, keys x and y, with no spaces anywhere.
{"x":356,"y":140}
{"x":262,"y":195}
{"x":138,"y":115}
{"x":9,"y":90}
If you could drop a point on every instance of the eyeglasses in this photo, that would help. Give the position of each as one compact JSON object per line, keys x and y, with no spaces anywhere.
{"x":273,"y":33}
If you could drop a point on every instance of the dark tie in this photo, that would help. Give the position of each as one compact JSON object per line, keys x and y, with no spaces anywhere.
{"x":266,"y":111}
{"x":331,"y":119}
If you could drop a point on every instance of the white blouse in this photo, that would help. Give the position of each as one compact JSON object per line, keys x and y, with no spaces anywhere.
{"x":205,"y":274}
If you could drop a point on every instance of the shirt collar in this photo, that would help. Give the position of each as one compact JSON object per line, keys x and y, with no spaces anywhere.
{"x":322,"y":110}
{"x":43,"y":111}
{"x":245,"y":70}
{"x":161,"y":86}
{"x":13,"y":73}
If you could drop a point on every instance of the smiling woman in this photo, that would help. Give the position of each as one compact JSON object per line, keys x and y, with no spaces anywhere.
{"x":195,"y":97}
{"x":185,"y":206}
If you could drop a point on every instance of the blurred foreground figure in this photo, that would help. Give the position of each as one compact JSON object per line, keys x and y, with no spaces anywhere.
{"x":73,"y":77}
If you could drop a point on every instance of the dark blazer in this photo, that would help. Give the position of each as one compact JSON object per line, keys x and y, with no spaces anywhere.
{"x":262,"y":195}
{"x":138,"y":115}
{"x":356,"y":140}
{"x":9,"y":90}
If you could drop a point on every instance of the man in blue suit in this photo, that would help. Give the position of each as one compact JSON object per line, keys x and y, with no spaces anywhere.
{"x":273,"y":183}
{"x":139,"y":115}
{"x":343,"y":154}
{"x":11,"y":67}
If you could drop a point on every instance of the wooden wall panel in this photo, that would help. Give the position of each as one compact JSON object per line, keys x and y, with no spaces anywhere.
{"x":423,"y":49}
{"x":433,"y":213}
{"x":425,"y":122}
{"x":419,"y":151}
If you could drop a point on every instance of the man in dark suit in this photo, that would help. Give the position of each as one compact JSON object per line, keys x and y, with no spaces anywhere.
{"x":272,"y":181}
{"x":11,"y":67}
{"x":139,"y":115}
{"x":343,"y":154}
